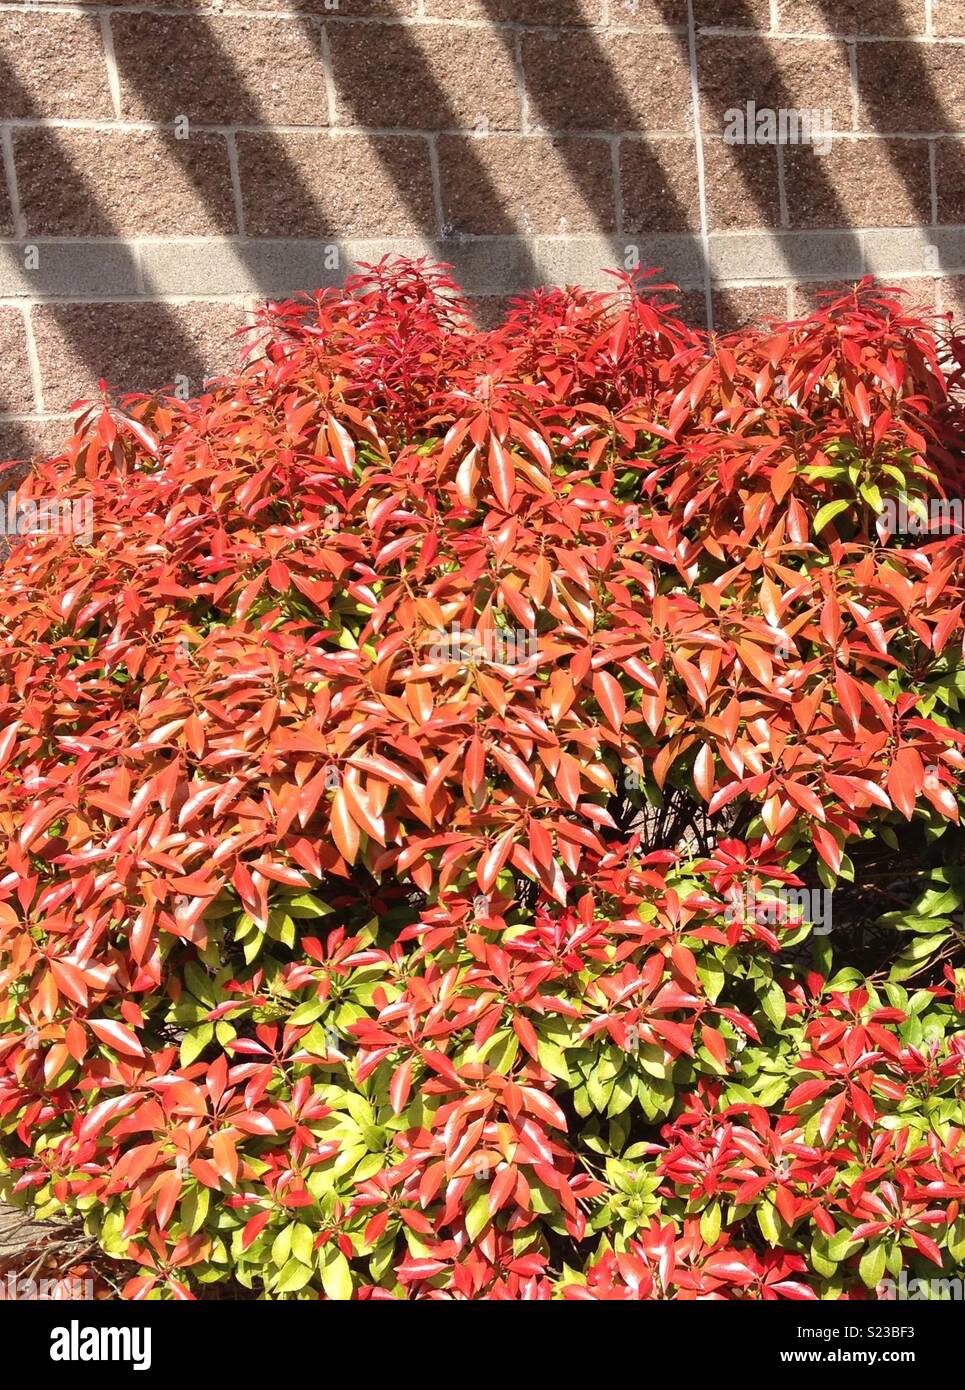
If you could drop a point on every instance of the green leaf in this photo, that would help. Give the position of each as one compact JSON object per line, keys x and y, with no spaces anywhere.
{"x":293,"y":1277}
{"x":370,"y":1165}
{"x":599,"y":1091}
{"x":711,"y":976}
{"x":624,"y":1090}
{"x":308,"y":1012}
{"x":337,"y":1276}
{"x":307,"y":905}
{"x":768,"y":1222}
{"x":477,"y":1217}
{"x":871,"y":1266}
{"x":253,"y":946}
{"x":502,"y":1060}
{"x":194,"y":1208}
{"x":553,"y":1058}
{"x":194,"y":1043}
{"x":775,"y":1005}
{"x":199,"y":984}
{"x":828,"y":512}
{"x":281,"y":1247}
{"x":840,"y":1246}
{"x":821,"y":1261}
{"x":710,"y":1224}
{"x":651,"y":1060}
{"x":303,"y":1243}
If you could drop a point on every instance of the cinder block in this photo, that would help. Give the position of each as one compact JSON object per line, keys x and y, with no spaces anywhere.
{"x":900,"y":251}
{"x":949,"y":243}
{"x":220,"y":69}
{"x":585,"y":260}
{"x":854,"y":16}
{"x":241,"y":267}
{"x":316,"y":185}
{"x":950,"y":179}
{"x":34,"y":269}
{"x":76,"y":182}
{"x":783,"y":255}
{"x":436,"y":77}
{"x":658,"y":186}
{"x":16,"y":388}
{"x":911,"y":86}
{"x":501,"y":265}
{"x":134,"y":347}
{"x":52,"y":66}
{"x":543,"y":184}
{"x":775,"y":74}
{"x":741,"y":184}
{"x":859,"y":183}
{"x":742,"y":306}
{"x":615,"y":82}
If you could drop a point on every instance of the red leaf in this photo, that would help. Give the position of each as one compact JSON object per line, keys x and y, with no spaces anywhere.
{"x":831,"y":1116}
{"x":116,"y":1035}
{"x":254,"y":1227}
{"x":401,"y":1086}
{"x":714,"y":1043}
{"x":704,"y":772}
{"x":610,"y":698}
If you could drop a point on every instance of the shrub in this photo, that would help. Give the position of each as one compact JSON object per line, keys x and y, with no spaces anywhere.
{"x":419,"y":789}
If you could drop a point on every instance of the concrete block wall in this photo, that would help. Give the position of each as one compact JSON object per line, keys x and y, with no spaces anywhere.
{"x":163,"y":166}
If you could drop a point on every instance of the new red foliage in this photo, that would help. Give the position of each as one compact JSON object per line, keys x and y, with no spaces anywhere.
{"x":386,"y":776}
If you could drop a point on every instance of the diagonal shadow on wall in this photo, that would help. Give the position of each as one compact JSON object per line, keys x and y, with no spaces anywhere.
{"x":286,"y":176}
{"x":759,"y":78}
{"x":582,"y":42}
{"x":762,"y":77}
{"x":47,"y":280}
{"x":755,"y":75}
{"x":411,"y":65}
{"x":763,"y":80}
{"x":878,"y":92}
{"x":163,"y":103}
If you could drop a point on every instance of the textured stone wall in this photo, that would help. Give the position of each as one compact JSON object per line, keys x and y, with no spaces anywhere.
{"x":166,"y":165}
